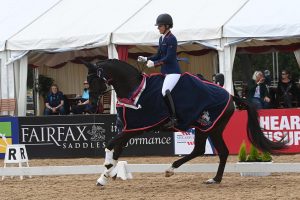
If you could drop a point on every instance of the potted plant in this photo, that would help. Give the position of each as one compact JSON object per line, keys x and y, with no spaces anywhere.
{"x":253,"y":157}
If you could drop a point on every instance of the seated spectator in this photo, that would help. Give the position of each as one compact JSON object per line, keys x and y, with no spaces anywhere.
{"x":83,"y":104}
{"x":287,"y":91}
{"x":54,"y":102}
{"x":268,"y":79}
{"x":257,"y":91}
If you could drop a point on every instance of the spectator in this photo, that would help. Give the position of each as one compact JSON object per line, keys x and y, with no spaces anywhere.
{"x":54,"y":101}
{"x":287,"y":91}
{"x":257,"y":91}
{"x":268,"y":79}
{"x":218,"y":79}
{"x":83,"y":104}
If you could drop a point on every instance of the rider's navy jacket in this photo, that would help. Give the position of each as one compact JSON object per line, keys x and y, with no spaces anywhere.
{"x":166,"y":55}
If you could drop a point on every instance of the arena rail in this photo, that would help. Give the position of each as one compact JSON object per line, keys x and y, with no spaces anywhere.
{"x":148,"y":168}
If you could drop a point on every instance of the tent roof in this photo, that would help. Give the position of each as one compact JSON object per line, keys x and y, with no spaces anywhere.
{"x":72,"y":24}
{"x":193,"y":20}
{"x":17,"y":14}
{"x":265,"y":18}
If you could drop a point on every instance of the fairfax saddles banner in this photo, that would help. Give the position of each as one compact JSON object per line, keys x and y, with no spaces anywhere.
{"x":84,"y":136}
{"x":66,"y":136}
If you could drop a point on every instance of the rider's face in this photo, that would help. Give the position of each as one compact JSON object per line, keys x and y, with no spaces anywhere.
{"x":161,"y":28}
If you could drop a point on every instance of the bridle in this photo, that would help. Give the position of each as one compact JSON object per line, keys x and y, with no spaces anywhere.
{"x":99,"y":73}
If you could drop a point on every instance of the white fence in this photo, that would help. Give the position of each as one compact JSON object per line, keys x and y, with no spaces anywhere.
{"x":149,"y":168}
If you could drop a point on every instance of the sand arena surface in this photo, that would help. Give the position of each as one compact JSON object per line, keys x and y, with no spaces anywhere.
{"x":152,"y":185}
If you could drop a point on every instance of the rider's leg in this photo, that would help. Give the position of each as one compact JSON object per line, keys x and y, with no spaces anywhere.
{"x":199,"y":149}
{"x":169,"y":83}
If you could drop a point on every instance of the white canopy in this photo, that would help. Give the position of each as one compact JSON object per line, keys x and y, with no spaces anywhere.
{"x":15,"y":15}
{"x":265,"y":18}
{"x":260,"y":23}
{"x":194,"y":20}
{"x":74,"y":24}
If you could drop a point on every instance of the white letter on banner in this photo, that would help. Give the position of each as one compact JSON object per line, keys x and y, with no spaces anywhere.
{"x":296,"y":137}
{"x":274,"y":123}
{"x":295,"y":122}
{"x":24,"y":134}
{"x":284,"y":123}
{"x":265,"y":122}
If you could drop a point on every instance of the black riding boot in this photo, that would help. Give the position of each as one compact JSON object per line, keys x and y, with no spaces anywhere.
{"x":171,"y":107}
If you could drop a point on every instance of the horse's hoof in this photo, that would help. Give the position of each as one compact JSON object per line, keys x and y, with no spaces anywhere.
{"x":169,"y":174}
{"x":102,"y":180}
{"x":114,"y":177}
{"x":99,"y":184}
{"x":211,"y":181}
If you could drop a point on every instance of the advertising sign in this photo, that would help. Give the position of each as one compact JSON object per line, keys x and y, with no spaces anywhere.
{"x":8,"y":133}
{"x":153,"y":143}
{"x":66,"y":136}
{"x":184,"y":143}
{"x":276,"y":124}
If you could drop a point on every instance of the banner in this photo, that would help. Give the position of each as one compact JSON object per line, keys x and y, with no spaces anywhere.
{"x":85,"y":136}
{"x":8,"y":133}
{"x":66,"y":136}
{"x":184,"y":143}
{"x":153,"y":143}
{"x":277,"y":123}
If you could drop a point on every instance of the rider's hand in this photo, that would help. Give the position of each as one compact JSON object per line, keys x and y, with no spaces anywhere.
{"x":142,"y":59}
{"x":150,"y":64}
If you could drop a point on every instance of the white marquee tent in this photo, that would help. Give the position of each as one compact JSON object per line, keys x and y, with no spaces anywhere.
{"x":15,"y":16}
{"x":73,"y":26}
{"x":198,"y":24}
{"x":69,"y":25}
{"x":261,"y":23}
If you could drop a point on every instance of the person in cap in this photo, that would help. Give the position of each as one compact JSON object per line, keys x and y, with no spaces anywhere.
{"x":83,"y":104}
{"x":166,"y":58}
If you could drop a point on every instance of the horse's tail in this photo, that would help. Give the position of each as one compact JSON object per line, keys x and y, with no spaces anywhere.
{"x":254,"y":131}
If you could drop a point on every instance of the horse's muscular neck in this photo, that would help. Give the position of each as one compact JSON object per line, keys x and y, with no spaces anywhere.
{"x":124,"y":79}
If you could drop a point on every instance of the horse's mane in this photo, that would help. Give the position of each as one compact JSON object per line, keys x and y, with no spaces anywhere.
{"x":121,"y":66}
{"x":126,"y":77}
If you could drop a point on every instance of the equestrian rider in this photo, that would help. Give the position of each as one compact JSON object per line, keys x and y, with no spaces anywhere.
{"x":166,"y":57}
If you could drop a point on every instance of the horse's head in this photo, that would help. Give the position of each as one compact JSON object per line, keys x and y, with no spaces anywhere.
{"x":97,"y":82}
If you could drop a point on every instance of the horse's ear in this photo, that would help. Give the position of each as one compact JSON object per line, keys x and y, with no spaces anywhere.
{"x":91,"y":67}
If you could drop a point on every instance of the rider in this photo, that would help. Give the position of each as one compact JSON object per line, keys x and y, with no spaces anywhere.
{"x":166,"y":57}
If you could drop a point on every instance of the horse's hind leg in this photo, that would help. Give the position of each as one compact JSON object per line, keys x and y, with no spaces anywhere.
{"x":199,"y":149}
{"x":216,"y":136}
{"x":219,"y":144}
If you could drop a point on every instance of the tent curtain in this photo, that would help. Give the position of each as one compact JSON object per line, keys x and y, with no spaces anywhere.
{"x":20,"y":71}
{"x":226,"y":60}
{"x":297,"y":55}
{"x":113,"y":53}
{"x":123,"y":52}
{"x":7,"y":88}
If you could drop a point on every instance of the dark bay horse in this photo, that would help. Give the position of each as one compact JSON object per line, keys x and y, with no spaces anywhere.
{"x":199,"y":104}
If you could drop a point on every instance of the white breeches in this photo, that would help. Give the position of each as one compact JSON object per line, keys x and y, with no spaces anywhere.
{"x":169,"y":82}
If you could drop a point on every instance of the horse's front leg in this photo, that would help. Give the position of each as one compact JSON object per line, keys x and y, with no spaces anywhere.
{"x":112,"y":153}
{"x":110,"y":165}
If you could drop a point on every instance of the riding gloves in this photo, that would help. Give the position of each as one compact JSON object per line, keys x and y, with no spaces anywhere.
{"x":150,"y":64}
{"x":142,"y":59}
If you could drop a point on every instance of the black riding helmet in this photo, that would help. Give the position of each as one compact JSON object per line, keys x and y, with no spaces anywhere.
{"x":164,"y":19}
